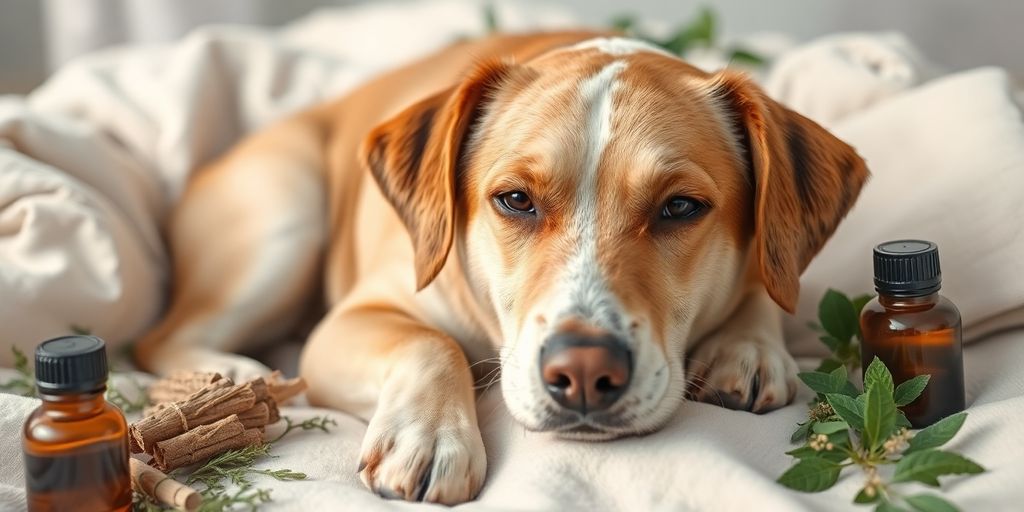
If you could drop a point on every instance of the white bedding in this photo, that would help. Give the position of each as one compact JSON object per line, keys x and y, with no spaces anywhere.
{"x":91,"y":162}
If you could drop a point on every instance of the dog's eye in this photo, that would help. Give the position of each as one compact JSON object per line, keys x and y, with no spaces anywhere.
{"x":681,"y":208}
{"x":517,"y":201}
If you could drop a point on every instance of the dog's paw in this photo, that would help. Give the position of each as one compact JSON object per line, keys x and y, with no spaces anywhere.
{"x":745,"y":374}
{"x":434,"y":456}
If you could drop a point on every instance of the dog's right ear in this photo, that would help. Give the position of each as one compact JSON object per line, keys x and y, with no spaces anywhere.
{"x":414,"y":158}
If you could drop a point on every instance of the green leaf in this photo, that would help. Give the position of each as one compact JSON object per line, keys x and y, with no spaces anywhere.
{"x":909,"y":390}
{"x":860,"y":301}
{"x":879,"y":414}
{"x":818,"y":382}
{"x":832,"y":382}
{"x":806,"y":452}
{"x":743,"y":56}
{"x":830,"y":427}
{"x":901,"y":420}
{"x":930,"y":503}
{"x":848,"y":409}
{"x":816,"y":327}
{"x":886,"y":506}
{"x":827,"y":365}
{"x":700,"y":32}
{"x":858,"y":305}
{"x":830,"y":342}
{"x":835,"y":311}
{"x":623,"y":23}
{"x":82,"y":331}
{"x":937,"y":434}
{"x":926,"y":466}
{"x":490,"y":18}
{"x":862,"y":497}
{"x":801,"y":432}
{"x":878,"y":373}
{"x":811,"y":475}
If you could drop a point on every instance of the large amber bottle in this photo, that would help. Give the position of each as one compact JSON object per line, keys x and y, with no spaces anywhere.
{"x":75,"y":443}
{"x":914,"y":330}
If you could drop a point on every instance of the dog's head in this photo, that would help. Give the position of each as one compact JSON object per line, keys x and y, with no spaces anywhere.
{"x":609,"y":204}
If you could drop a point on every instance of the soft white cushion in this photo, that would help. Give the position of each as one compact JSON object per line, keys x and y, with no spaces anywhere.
{"x":947,"y":163}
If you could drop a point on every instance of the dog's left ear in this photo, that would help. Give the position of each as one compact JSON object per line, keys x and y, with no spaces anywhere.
{"x":414,"y":158}
{"x":805,"y":181}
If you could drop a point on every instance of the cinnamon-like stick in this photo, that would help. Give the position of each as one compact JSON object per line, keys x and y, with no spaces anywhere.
{"x":282,"y":389}
{"x":204,"y":442}
{"x":259,"y":388}
{"x":213,"y":402}
{"x":180,"y":384}
{"x":273,"y":415}
{"x":162,"y":488}
{"x":256,"y":417}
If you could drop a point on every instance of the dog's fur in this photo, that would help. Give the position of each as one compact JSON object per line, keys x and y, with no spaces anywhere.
{"x":389,"y":200}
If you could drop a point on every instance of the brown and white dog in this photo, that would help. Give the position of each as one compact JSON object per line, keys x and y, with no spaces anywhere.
{"x":590,"y":208}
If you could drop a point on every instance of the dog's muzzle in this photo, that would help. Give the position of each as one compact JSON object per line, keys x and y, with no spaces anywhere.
{"x":585,"y":373}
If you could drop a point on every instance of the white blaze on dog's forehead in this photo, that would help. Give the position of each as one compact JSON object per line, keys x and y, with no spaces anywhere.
{"x":586,"y":292}
{"x":619,"y":46}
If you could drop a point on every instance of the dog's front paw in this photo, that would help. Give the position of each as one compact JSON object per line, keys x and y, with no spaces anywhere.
{"x":745,"y":374}
{"x":424,"y":455}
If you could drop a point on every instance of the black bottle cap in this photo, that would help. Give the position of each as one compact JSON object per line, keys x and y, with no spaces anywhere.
{"x":71,"y":364}
{"x":907,"y":268}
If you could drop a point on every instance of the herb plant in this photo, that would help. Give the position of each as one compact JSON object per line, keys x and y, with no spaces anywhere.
{"x":848,"y":427}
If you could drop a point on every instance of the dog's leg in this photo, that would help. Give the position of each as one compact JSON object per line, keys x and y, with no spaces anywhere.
{"x":413,"y":384}
{"x":744,"y":364}
{"x":246,"y":240}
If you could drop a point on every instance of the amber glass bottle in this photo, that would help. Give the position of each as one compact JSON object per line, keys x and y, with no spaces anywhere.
{"x":914,"y":330}
{"x":75,"y":443}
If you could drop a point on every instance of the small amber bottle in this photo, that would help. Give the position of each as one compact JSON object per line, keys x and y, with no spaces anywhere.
{"x":75,"y":443}
{"x":914,"y":330}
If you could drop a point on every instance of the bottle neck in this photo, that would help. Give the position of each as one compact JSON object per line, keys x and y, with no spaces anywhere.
{"x":892,"y":301}
{"x":71,"y":406}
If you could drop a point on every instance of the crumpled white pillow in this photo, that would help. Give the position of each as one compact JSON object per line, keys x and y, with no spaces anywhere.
{"x":947,"y":163}
{"x":841,"y":74}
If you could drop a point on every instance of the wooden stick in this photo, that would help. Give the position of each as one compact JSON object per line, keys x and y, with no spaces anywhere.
{"x":213,"y":402}
{"x":256,"y":417}
{"x":180,"y":384}
{"x":282,"y":389}
{"x":162,"y":488}
{"x":204,"y":442}
{"x":259,"y":388}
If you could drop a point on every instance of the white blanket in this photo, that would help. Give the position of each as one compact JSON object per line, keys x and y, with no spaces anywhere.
{"x":91,"y":162}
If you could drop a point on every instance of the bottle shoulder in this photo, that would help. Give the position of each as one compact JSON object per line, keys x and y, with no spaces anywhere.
{"x":46,"y":432}
{"x":941,"y":313}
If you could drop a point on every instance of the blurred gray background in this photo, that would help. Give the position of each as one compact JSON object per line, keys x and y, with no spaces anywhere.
{"x":36,"y":36}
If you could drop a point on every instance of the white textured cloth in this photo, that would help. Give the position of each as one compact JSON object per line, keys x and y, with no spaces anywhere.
{"x":91,"y":162}
{"x":707,"y":459}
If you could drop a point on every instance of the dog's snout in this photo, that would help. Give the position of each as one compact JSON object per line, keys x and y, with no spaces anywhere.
{"x":585,"y":373}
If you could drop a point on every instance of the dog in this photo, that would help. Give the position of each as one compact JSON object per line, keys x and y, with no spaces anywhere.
{"x":615,"y":228}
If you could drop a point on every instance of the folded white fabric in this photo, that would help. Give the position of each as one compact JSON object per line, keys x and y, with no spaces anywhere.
{"x":841,"y":74}
{"x":947,"y":162}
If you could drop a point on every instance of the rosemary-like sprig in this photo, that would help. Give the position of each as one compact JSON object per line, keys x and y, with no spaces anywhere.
{"x":24,"y":384}
{"x":314,"y":423}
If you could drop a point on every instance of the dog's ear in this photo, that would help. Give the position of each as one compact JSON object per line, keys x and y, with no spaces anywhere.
{"x":414,"y":158}
{"x":805,"y":180}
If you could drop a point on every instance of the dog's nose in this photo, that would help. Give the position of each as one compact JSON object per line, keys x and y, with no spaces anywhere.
{"x":585,"y":373}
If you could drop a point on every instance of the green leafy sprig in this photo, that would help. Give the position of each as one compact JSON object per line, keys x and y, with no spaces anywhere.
{"x":847,"y":427}
{"x":25,"y":383}
{"x":701,"y":32}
